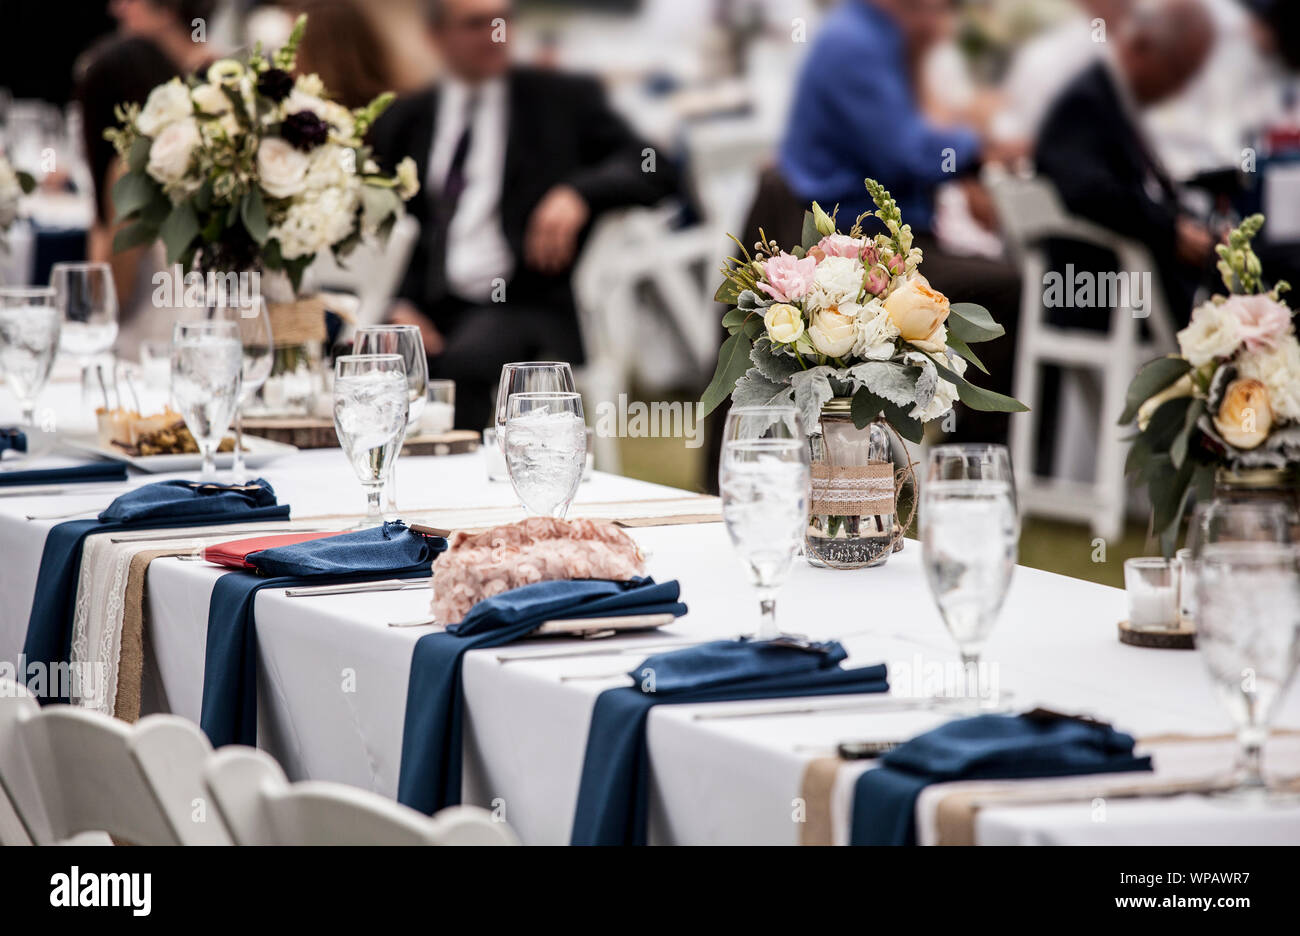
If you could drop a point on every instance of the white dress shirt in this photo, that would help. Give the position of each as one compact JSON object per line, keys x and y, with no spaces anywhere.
{"x":477,"y":251}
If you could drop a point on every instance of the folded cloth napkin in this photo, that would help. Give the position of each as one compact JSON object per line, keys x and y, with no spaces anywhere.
{"x":613,"y":794}
{"x":229,"y":712}
{"x":68,"y":474}
{"x":435,"y":703}
{"x":11,"y":437}
{"x":985,"y":747}
{"x":152,"y":506}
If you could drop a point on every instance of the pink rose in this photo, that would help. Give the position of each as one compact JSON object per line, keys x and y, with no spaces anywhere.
{"x":877,"y":280}
{"x":897,"y":263}
{"x":1263,"y":320}
{"x":788,"y":278}
{"x":841,"y":245}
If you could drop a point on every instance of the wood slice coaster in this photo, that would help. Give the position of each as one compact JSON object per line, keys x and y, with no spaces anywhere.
{"x":302,"y":432}
{"x":456,"y":442}
{"x":1182,"y":639}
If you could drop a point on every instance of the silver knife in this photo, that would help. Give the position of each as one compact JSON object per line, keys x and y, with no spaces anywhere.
{"x":357,"y":588}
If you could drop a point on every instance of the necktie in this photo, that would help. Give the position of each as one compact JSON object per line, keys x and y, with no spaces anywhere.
{"x":447,"y":199}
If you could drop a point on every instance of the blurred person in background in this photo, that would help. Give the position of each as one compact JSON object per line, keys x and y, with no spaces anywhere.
{"x":121,"y":70}
{"x":858,"y":112}
{"x":343,"y":47}
{"x":172,"y":26}
{"x":1093,"y":148}
{"x":515,"y":163}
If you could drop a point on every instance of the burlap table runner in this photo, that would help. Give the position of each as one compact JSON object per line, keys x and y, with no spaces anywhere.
{"x":853,"y":491}
{"x":956,"y":809}
{"x":130,"y":662}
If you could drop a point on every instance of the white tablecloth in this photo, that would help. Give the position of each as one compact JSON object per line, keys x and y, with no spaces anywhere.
{"x":333,"y":676}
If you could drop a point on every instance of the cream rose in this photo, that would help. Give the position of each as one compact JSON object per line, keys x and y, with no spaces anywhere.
{"x":1182,"y":387}
{"x":167,"y":104}
{"x":918,"y":312}
{"x":784,"y":323}
{"x":172,"y":150}
{"x":832,"y":332}
{"x":1214,"y":332}
{"x":1245,"y":416}
{"x":1279,"y":370}
{"x":281,"y":168}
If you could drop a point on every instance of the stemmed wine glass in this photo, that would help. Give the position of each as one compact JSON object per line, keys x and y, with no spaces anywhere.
{"x":1248,"y":621}
{"x":405,"y":341}
{"x":529,"y":377}
{"x":764,"y":476}
{"x":207,"y":363}
{"x":87,"y":298}
{"x":545,"y":441}
{"x":970,"y":533}
{"x":258,"y":353}
{"x":370,"y":407}
{"x":29,"y":339}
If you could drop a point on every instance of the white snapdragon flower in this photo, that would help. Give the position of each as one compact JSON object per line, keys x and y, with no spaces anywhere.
{"x":1278,"y":369}
{"x":166,"y":104}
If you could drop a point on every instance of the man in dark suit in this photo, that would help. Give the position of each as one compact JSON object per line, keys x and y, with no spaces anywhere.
{"x":514,"y":163}
{"x":1093,"y":148}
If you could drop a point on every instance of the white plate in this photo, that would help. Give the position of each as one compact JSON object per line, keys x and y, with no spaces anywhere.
{"x":257,"y":452}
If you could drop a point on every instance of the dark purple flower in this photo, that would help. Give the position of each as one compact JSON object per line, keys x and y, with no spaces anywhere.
{"x":304,"y":130}
{"x":275,"y":83}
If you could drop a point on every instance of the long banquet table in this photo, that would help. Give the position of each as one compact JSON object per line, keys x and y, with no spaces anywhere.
{"x":333,"y":678}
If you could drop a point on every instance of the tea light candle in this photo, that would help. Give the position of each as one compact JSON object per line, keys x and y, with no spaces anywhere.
{"x":438,"y":417}
{"x":1152,"y":587}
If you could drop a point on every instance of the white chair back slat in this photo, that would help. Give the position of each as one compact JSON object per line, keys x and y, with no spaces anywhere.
{"x":70,"y":771}
{"x":260,"y":806}
{"x":372,"y":272}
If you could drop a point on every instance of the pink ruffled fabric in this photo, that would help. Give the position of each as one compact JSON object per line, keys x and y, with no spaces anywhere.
{"x":540,"y":549}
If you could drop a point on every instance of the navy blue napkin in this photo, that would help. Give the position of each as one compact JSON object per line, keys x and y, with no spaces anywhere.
{"x":92,"y":471}
{"x":435,"y":703}
{"x":11,"y":437}
{"x":152,"y":506}
{"x":613,"y":794}
{"x":229,"y":713}
{"x":985,"y":747}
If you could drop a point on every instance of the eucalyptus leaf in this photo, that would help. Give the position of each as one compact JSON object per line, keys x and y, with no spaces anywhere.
{"x":179,"y":230}
{"x":977,"y":398}
{"x":960,"y":347}
{"x":727,"y":293}
{"x":132,"y":193}
{"x":1151,"y":379}
{"x":253,"y":213}
{"x":733,"y":362}
{"x":1178,"y":449}
{"x":973,"y":323}
{"x":138,"y":157}
{"x":810,"y":237}
{"x":134,"y":235}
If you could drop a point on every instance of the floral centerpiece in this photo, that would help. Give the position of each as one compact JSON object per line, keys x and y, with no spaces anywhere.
{"x":251,"y":170}
{"x":846,"y":325}
{"x":250,"y":167}
{"x":1229,"y":401}
{"x":13,"y":185}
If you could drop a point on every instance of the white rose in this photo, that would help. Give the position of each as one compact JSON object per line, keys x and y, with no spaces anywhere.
{"x":210,"y":99}
{"x":1214,"y":332}
{"x":945,"y":394}
{"x":833,"y":333}
{"x":1278,"y":369}
{"x":838,"y":280}
{"x":876,"y":334}
{"x":166,"y":104}
{"x":172,"y":150}
{"x":281,"y":168}
{"x":329,"y":166}
{"x":784,"y":323}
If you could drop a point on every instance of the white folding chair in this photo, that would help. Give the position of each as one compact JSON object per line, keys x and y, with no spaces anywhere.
{"x":261,"y":807}
{"x":372,"y":272}
{"x":1031,"y":212}
{"x":68,"y":771}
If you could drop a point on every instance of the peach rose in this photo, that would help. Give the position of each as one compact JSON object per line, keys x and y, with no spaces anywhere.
{"x":917,"y":311}
{"x":1245,"y":416}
